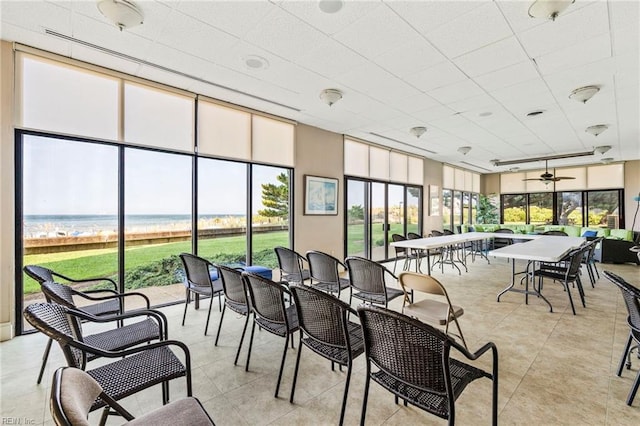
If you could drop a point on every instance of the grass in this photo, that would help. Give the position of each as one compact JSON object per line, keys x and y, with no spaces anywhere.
{"x":104,"y":262}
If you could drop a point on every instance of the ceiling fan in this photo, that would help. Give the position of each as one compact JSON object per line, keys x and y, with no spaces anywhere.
{"x":548,"y":177}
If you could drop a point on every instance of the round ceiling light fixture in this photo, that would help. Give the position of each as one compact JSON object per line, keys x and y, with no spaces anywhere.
{"x":548,"y":9}
{"x":330,"y":6}
{"x":255,"y":62}
{"x":606,"y":160}
{"x":330,"y":96}
{"x":418,"y":131}
{"x":596,"y":130}
{"x":535,"y":113}
{"x":122,"y":13}
{"x":464,"y":150}
{"x":583,"y":94}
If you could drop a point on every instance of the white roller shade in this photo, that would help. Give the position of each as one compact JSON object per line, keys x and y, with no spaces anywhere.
{"x":378,"y":163}
{"x":468,"y":181}
{"x":579,"y":183}
{"x":512,"y":183}
{"x":398,"y":167}
{"x":356,"y":158}
{"x":458,"y":179}
{"x":605,"y":176}
{"x":223,"y":131}
{"x":273,"y":141}
{"x":476,"y":183}
{"x":416,"y":171}
{"x":447,"y":177}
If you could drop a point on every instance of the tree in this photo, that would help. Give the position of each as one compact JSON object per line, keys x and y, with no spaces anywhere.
{"x":487,"y":211}
{"x":356,"y":213}
{"x":275,"y":198}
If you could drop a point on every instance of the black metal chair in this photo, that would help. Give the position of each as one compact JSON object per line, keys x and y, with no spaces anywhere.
{"x":266,"y":301}
{"x":419,"y":254}
{"x":566,"y":274}
{"x":198,"y":281}
{"x":324,"y":271}
{"x":291,"y":265}
{"x":235,"y":298}
{"x":366,"y":282}
{"x":325,"y":329}
{"x":502,"y":242}
{"x":589,"y":260}
{"x":631,"y":296}
{"x":73,"y":391}
{"x":402,"y":253}
{"x":135,"y":368}
{"x":413,"y":362}
{"x":556,"y":233}
{"x":153,"y":327}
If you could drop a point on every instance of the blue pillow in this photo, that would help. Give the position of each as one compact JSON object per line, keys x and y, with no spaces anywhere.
{"x":590,"y":234}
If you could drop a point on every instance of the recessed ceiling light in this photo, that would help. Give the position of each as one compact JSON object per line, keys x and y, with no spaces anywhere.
{"x":330,"y":6}
{"x":535,"y":113}
{"x":485,"y":114}
{"x":255,"y":62}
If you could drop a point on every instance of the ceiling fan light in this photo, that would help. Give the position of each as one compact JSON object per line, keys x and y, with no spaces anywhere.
{"x":418,"y":131}
{"x":583,"y":94}
{"x":330,"y":96}
{"x":596,"y":130}
{"x":548,"y":9}
{"x":122,"y":13}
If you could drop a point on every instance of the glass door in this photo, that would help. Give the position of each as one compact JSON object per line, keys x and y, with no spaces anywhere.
{"x":356,"y":231}
{"x":378,"y":214}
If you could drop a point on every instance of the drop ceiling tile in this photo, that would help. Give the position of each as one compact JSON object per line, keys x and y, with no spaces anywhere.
{"x":427,"y":16}
{"x":509,"y":76}
{"x":443,"y":74}
{"x":177,"y":60}
{"x":624,"y":14}
{"x":414,"y":103}
{"x":567,"y":30}
{"x":36,"y":16}
{"x":592,"y":50}
{"x":376,"y":82}
{"x":626,"y":41}
{"x":329,"y":23}
{"x":412,"y":56}
{"x":377,"y":32}
{"x":10,"y":32}
{"x":234,"y":17}
{"x":493,"y":57}
{"x":480,"y":27}
{"x":517,"y":14}
{"x":431,"y":114}
{"x":330,"y":58}
{"x":456,"y":92}
{"x":533,"y":93}
{"x":93,"y":56}
{"x":476,"y":104}
{"x":283,"y":34}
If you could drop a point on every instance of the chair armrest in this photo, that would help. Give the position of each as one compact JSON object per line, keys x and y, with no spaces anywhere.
{"x":161,"y":318}
{"x":475,"y":355}
{"x":86,"y":280}
{"x":113,"y":296}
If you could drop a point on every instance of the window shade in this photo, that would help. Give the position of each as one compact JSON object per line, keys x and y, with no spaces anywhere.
{"x":605,"y":176}
{"x":511,"y":183}
{"x":223,"y":131}
{"x":356,"y":158}
{"x":378,"y":163}
{"x":273,"y":141}
{"x":398,"y":167}
{"x":416,"y":171}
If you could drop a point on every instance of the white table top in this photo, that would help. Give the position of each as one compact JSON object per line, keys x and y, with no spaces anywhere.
{"x":447,"y":240}
{"x":546,"y":248}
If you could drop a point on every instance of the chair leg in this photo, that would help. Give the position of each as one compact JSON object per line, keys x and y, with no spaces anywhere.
{"x":346,"y":393}
{"x":596,"y":269}
{"x":186,"y":303}
{"x":253,"y":329}
{"x":568,"y":288}
{"x":634,"y":389}
{"x":580,"y":291}
{"x":224,"y":309}
{"x":244,"y":329}
{"x":45,"y":357}
{"x":104,"y":416}
{"x":284,"y":357}
{"x":206,"y":327}
{"x":363,"y":414}
{"x":624,"y":355}
{"x":295,"y":371}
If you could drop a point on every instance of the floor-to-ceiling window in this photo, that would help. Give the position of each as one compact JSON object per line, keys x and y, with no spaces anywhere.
{"x":603,"y":208}
{"x":569,"y":208}
{"x":514,"y":209}
{"x":541,"y":208}
{"x":414,"y":201}
{"x":447,"y":208}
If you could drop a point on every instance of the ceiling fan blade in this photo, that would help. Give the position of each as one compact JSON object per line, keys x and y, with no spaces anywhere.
{"x":564,"y":177}
{"x":534,"y":179}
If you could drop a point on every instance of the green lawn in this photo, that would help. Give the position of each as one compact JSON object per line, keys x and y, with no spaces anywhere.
{"x":103,"y":262}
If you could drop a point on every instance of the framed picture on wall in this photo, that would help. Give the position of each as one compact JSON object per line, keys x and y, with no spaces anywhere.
{"x":320,"y":195}
{"x":434,"y":200}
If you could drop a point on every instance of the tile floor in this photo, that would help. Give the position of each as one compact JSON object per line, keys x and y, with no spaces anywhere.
{"x":555,"y":368}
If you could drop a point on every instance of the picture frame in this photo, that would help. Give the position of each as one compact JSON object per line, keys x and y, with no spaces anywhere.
{"x":434,"y":200}
{"x":320,"y":196}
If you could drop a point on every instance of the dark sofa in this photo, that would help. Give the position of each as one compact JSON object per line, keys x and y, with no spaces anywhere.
{"x":616,"y":251}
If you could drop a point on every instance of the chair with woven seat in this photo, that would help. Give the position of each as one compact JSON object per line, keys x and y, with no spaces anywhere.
{"x":631,"y":296}
{"x":419,"y":254}
{"x":402,"y":253}
{"x":425,"y":376}
{"x":153,"y":327}
{"x":589,"y":260}
{"x":324,"y":272}
{"x":198,"y":282}
{"x":430,"y":310}
{"x":502,"y":242}
{"x":367,"y":282}
{"x":73,"y":391}
{"x":565,"y":274}
{"x":325,"y":329}
{"x":133,"y":370}
{"x":235,"y":298}
{"x":266,"y":301}
{"x":291,"y":266}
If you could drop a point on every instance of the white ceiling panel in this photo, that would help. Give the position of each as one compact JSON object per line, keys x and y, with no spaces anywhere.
{"x":427,"y":16}
{"x":457,"y":92}
{"x":329,"y":23}
{"x":509,"y":76}
{"x":495,"y":56}
{"x":443,"y":74}
{"x":330,"y":58}
{"x":586,"y":52}
{"x":411,"y":57}
{"x":414,"y":103}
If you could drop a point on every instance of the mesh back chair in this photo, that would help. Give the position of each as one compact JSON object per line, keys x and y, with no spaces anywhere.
{"x":425,"y":376}
{"x":430,"y":310}
{"x":153,"y":327}
{"x":198,"y":281}
{"x":366,"y":282}
{"x":568,"y":274}
{"x":589,"y":260}
{"x":556,"y":233}
{"x":325,"y":329}
{"x":324,"y":271}
{"x":73,"y":391}
{"x":135,"y":368}
{"x":235,"y":298}
{"x":419,"y":254}
{"x":502,"y":242}
{"x":291,"y":267}
{"x":402,"y":253}
{"x":266,"y":300}
{"x":631,"y":296}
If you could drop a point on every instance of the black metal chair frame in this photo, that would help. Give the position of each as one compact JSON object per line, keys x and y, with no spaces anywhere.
{"x":198,"y":281}
{"x":326,"y":330}
{"x":403,"y":253}
{"x":235,"y":298}
{"x":565,"y":274}
{"x":425,"y":376}
{"x":291,"y":266}
{"x":324,"y":272}
{"x":266,"y":301}
{"x":138,"y":368}
{"x":184,"y":406}
{"x":368,"y":284}
{"x":590,"y":262}
{"x":631,"y":296}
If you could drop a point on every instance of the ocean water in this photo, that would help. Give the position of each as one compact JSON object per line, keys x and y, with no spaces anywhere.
{"x":74,"y":225}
